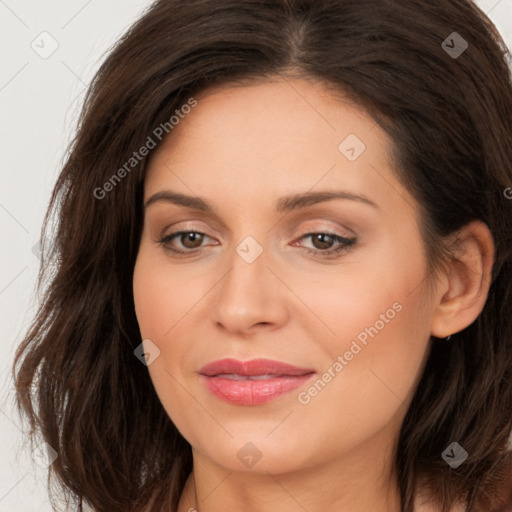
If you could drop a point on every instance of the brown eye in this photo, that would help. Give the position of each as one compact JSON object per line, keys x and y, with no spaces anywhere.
{"x":322,"y":240}
{"x":191,"y":239}
{"x":327,"y":244}
{"x":183,"y":242}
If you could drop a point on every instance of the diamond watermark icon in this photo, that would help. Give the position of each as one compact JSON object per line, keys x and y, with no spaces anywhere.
{"x":147,"y":352}
{"x":351,"y":147}
{"x":454,"y":45}
{"x":455,"y":455}
{"x":44,"y":455}
{"x":45,"y":45}
{"x":249,"y":249}
{"x":249,"y":455}
{"x":38,"y":247}
{"x":36,"y":250}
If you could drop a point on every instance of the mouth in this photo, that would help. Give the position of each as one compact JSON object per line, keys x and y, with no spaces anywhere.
{"x":234,"y":376}
{"x":252,"y":382}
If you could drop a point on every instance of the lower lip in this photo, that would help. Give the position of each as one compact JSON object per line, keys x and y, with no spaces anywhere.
{"x":253,"y":392}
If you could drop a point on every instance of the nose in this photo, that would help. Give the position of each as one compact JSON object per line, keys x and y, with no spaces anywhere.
{"x":250,"y":297}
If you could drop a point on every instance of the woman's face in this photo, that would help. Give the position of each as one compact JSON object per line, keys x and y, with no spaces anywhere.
{"x":259,"y":276}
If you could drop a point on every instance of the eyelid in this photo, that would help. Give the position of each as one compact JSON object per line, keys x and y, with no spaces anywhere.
{"x":338,"y":231}
{"x":195,"y":226}
{"x":315,"y":229}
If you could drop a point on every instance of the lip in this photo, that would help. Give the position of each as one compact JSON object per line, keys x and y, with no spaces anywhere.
{"x":237,"y":382}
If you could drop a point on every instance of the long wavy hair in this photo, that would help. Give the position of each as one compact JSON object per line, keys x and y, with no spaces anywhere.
{"x":448,"y":110}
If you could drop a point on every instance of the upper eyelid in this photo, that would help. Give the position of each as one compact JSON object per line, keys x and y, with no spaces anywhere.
{"x":345,"y":231}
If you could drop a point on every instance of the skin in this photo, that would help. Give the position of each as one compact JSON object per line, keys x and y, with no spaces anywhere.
{"x":241,"y":149}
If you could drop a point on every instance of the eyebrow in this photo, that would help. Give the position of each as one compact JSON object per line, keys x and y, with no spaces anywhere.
{"x":284,"y":204}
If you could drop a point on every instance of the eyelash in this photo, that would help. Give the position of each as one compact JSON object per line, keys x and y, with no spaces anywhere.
{"x":345,"y":244}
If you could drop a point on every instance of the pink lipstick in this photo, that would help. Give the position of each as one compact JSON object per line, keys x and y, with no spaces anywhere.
{"x":252,"y":382}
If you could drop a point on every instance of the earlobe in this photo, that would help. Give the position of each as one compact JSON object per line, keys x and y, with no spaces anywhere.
{"x":466,"y":281}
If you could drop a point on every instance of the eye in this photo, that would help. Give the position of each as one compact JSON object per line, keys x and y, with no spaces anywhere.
{"x":323,"y":243}
{"x":190,"y":241}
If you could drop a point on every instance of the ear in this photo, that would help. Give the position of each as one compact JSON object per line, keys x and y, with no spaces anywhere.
{"x":463,"y":288}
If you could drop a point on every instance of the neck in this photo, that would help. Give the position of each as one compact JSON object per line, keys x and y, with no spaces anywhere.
{"x":353,"y":484}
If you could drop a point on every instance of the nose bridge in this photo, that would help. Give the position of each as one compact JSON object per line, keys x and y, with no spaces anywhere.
{"x":246,"y":278}
{"x":247,"y":295}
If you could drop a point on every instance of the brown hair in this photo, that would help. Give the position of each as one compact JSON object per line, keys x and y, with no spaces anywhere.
{"x":450,"y":117}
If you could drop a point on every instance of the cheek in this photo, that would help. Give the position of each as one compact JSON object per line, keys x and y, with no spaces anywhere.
{"x":375,"y":359}
{"x":376,"y":343}
{"x":159,"y":309}
{"x":154,"y":302}
{"x":379,"y":310}
{"x":162,"y":297}
{"x":371,"y":305}
{"x":369,"y":375}
{"x":161,"y":312}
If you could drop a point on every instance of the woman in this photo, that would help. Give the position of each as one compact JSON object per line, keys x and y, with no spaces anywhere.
{"x":283,"y":265}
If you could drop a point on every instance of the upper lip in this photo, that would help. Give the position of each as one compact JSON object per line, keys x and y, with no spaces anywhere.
{"x":253,"y":367}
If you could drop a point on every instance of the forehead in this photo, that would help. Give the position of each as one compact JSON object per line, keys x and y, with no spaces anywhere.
{"x":273,"y":137}
{"x":291,"y":109}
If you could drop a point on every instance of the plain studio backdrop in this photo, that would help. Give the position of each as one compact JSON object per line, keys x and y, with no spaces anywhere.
{"x":50,"y":51}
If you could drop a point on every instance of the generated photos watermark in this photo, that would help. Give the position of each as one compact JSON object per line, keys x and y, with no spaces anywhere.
{"x":304,"y":397}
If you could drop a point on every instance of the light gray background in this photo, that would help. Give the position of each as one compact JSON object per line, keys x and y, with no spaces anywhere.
{"x":39,"y":101}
